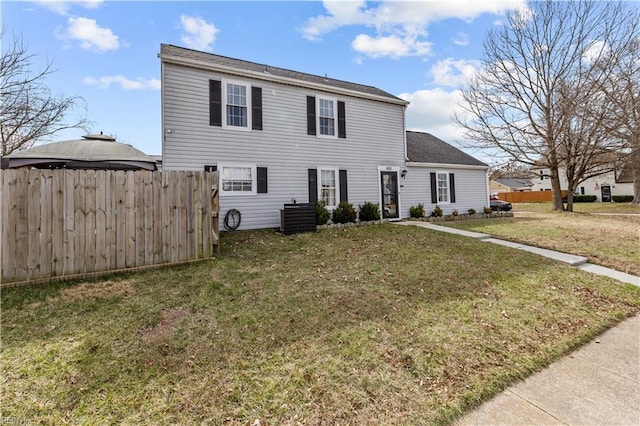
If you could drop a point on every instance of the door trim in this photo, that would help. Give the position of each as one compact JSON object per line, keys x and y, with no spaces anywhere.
{"x":396,"y":171}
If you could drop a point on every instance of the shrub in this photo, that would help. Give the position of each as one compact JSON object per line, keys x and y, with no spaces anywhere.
{"x":622,"y":198}
{"x":471,"y":211}
{"x":455,"y":212}
{"x":487,"y":210}
{"x":345,"y":212}
{"x":417,"y":211}
{"x":584,"y":198}
{"x":369,"y":211}
{"x":437,"y":212}
{"x":322,"y":214}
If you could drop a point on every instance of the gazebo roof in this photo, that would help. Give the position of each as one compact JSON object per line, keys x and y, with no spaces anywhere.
{"x":90,"y":152}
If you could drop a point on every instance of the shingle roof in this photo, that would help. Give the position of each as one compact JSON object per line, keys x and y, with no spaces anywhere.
{"x":92,"y":151}
{"x":426,"y":148}
{"x":265,"y":70}
{"x":514,"y":182}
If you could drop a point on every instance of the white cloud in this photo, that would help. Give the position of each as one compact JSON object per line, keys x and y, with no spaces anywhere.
{"x":432,"y":111}
{"x":461,"y":39}
{"x":90,"y":35}
{"x":398,"y":28}
{"x":105,"y":82}
{"x":452,"y":73}
{"x":197,"y":33}
{"x":63,"y":7}
{"x":392,"y":46}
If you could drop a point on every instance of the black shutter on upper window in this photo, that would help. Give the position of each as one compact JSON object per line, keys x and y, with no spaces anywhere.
{"x":262,"y":179}
{"x":342,"y":120}
{"x":215,"y":103}
{"x":313,"y":185}
{"x":434,"y":189}
{"x":256,"y":108}
{"x":452,"y":187}
{"x":311,"y":115}
{"x":343,"y":186}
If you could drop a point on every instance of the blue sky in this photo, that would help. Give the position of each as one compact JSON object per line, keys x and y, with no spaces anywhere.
{"x":106,"y":51}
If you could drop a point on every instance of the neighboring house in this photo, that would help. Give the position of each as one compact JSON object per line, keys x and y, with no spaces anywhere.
{"x":616,"y":182}
{"x":499,"y":185}
{"x":278,"y":136}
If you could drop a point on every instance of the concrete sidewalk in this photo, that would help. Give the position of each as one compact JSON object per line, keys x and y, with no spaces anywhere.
{"x":599,"y":384}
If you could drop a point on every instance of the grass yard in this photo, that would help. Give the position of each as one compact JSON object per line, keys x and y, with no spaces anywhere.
{"x":381,"y":324}
{"x":608,"y":240}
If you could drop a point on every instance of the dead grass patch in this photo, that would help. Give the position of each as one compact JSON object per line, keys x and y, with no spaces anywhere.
{"x":85,"y":292}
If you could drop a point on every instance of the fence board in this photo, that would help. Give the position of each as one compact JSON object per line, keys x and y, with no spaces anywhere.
{"x":72,"y":222}
{"x":57,"y":220}
{"x":101,"y":221}
{"x":90,"y":221}
{"x":46,"y":222}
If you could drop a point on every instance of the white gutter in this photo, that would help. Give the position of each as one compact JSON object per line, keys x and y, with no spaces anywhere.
{"x":278,"y":79}
{"x":445,"y":166}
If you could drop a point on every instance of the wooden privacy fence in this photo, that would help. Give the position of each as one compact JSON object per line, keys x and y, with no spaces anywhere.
{"x":61,"y":223}
{"x":525,"y":196}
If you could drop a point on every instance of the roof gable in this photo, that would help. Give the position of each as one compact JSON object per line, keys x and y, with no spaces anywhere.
{"x":514,"y":182}
{"x":426,"y":148}
{"x":171,"y":53}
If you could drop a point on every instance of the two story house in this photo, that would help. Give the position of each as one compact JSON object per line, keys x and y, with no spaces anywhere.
{"x":278,"y":136}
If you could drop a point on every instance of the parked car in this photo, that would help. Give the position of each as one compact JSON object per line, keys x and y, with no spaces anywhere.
{"x":499,"y":205}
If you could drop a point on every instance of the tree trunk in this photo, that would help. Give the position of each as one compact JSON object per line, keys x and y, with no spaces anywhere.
{"x":556,"y":190}
{"x":570,"y":192}
{"x":636,"y":184}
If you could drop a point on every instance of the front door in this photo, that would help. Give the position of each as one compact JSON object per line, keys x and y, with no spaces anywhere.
{"x":389,"y":195}
{"x":605,"y":192}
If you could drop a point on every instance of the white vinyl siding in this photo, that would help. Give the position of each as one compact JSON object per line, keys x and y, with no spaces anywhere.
{"x":376,"y":137}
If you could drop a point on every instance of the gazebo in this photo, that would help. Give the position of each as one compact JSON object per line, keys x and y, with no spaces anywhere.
{"x":95,"y":152}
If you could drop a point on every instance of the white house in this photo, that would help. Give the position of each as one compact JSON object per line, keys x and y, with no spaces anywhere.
{"x":278,"y":136}
{"x":616,"y":182}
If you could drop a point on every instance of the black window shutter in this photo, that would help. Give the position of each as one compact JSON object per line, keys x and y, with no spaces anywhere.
{"x":311,"y":115}
{"x":256,"y":108}
{"x":343,"y":186}
{"x":210,"y":168}
{"x":452,"y":187}
{"x":434,"y":189}
{"x":313,"y":185}
{"x":262,"y":180}
{"x":215,"y":103}
{"x":342,"y":121}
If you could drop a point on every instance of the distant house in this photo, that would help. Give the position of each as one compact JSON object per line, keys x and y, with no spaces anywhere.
{"x":500,"y":185}
{"x":618,"y":181}
{"x":278,"y":136}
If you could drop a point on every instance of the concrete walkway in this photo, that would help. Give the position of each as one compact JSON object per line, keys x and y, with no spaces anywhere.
{"x":599,"y":384}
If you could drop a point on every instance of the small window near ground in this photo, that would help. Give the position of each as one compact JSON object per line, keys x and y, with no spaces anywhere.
{"x":238,"y":179}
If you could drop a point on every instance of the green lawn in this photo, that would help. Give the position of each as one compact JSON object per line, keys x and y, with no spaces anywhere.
{"x":608,"y":240}
{"x":380,"y":324}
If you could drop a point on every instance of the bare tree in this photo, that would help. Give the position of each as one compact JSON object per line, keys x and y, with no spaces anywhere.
{"x":28,"y":109}
{"x":537,"y":71}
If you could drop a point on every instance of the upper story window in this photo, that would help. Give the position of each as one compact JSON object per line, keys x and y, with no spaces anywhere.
{"x":235,"y":105}
{"x":326,"y":117}
{"x":237,"y":111}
